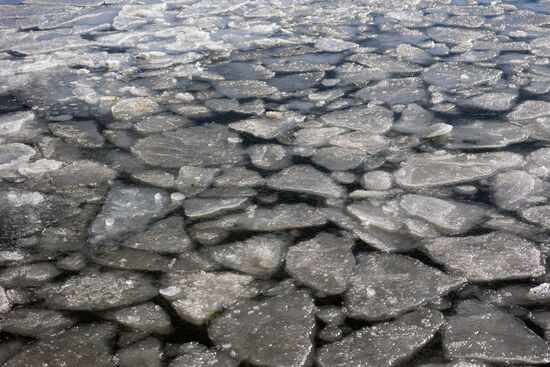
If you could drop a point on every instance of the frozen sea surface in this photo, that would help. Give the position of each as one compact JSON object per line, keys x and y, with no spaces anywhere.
{"x":274,"y":183}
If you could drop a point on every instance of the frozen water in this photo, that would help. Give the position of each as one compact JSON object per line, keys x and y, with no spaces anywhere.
{"x":260,"y":256}
{"x":371,"y":119}
{"x":485,"y":135}
{"x":129,"y":210}
{"x":98,"y":291}
{"x":383,"y":286}
{"x":336,"y":158}
{"x":200,"y":146}
{"x":262,"y":128}
{"x":31,"y":275}
{"x":305,"y":179}
{"x":35,"y":322}
{"x":81,"y":133}
{"x":131,"y":259}
{"x":147,"y":352}
{"x":395,"y":91}
{"x":281,"y":217}
{"x":269,"y":157}
{"x":452,"y":75}
{"x":488,"y":334}
{"x":197,"y":355}
{"x":167,"y":235}
{"x":389,"y":343}
{"x":489,"y":257}
{"x":147,"y":317}
{"x":83,"y":345}
{"x":198,"y":296}
{"x":426,"y":170}
{"x":323,"y":263}
{"x":274,"y":183}
{"x":277,"y":331}
{"x":448,"y":216}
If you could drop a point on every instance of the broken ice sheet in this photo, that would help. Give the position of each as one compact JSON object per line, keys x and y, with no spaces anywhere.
{"x":269,"y":158}
{"x":337,"y":158}
{"x":512,"y":190}
{"x":131,"y":259}
{"x":210,"y":207}
{"x":14,"y":155}
{"x":380,"y":239}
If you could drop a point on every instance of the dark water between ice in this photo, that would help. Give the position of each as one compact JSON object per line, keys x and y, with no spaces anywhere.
{"x":286,"y":183}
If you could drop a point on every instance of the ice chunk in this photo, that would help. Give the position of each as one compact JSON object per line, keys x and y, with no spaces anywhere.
{"x":262,"y":127}
{"x":15,"y":155}
{"x":458,"y":75}
{"x":205,"y":145}
{"x":244,"y":88}
{"x":383,"y":345}
{"x":132,"y":108}
{"x":260,"y":256}
{"x":147,"y":317}
{"x":371,"y":119}
{"x":97,"y":291}
{"x":276,"y":332}
{"x":208,"y":207}
{"x":198,"y":296}
{"x":196,"y":355}
{"x":430,"y":170}
{"x":386,"y":285}
{"x":167,"y":235}
{"x":80,"y":133}
{"x":489,"y":257}
{"x":512,"y":190}
{"x":449,"y":216}
{"x":280,"y":217}
{"x":488,"y":334}
{"x":128,"y":210}
{"x":323,"y":263}
{"x":35,"y":322}
{"x":83,"y":345}
{"x":395,"y":91}
{"x":306,"y":179}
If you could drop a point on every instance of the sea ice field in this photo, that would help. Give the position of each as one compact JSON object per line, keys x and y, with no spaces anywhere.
{"x":274,"y":183}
